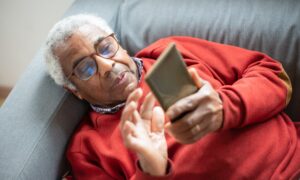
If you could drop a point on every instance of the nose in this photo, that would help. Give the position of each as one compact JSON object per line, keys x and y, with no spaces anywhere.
{"x":104,"y":65}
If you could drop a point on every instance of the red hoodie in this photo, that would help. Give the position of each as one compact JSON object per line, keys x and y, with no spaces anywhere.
{"x":257,"y":140}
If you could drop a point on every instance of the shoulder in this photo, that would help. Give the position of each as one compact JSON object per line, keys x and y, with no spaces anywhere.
{"x":183,"y":44}
{"x":82,"y":134}
{"x":163,"y":42}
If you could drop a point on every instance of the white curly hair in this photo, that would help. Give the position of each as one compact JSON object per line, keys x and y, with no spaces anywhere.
{"x":58,"y":36}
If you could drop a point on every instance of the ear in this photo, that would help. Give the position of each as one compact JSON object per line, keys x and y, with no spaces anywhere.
{"x":75,"y":92}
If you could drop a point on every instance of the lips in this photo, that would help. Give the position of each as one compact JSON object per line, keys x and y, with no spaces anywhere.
{"x":120,"y":80}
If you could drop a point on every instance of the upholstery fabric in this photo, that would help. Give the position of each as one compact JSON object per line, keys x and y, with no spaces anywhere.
{"x":32,"y":121}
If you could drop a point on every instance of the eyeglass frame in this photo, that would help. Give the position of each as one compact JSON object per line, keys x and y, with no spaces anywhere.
{"x":95,"y":53}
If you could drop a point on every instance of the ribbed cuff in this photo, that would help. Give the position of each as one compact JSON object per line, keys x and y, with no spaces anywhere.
{"x":145,"y":176}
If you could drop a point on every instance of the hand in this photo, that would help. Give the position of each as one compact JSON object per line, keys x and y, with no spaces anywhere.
{"x":204,"y":113}
{"x":143,"y":133}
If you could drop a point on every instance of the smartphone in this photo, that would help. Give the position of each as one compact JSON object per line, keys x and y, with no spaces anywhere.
{"x":169,"y":79}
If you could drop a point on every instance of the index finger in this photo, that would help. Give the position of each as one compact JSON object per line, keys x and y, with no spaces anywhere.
{"x":195,"y":76}
{"x":127,"y":113}
{"x":147,"y":106}
{"x":134,"y":96}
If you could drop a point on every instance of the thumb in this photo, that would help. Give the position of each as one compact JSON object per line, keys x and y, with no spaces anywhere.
{"x":158,"y":119}
{"x":198,"y":81}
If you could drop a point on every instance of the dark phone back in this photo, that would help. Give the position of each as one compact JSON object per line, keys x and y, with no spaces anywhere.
{"x":169,"y":79}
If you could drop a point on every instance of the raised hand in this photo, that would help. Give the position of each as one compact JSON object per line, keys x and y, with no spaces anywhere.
{"x":204,"y":113}
{"x":143,"y":133}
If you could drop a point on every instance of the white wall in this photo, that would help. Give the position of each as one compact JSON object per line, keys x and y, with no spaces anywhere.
{"x":24,"y":25}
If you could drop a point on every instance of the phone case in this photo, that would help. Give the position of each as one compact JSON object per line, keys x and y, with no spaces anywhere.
{"x":169,"y":79}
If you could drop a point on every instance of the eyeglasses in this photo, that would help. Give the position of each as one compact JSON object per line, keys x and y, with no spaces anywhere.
{"x":106,"y":48}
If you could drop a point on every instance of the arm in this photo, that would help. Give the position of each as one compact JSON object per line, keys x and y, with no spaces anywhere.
{"x":84,"y":168}
{"x":254,"y":86}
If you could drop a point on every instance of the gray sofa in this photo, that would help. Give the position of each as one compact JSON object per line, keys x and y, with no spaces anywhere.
{"x":38,"y":117}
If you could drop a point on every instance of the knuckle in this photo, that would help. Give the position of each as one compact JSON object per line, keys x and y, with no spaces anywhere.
{"x":176,"y":110}
{"x":190,"y":121}
{"x":206,"y":91}
{"x":211,"y":108}
{"x":195,"y":130}
{"x":214,"y":108}
{"x":187,"y":123}
{"x":190,"y":103}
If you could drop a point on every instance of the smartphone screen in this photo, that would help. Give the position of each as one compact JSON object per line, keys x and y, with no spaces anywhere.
{"x":169,"y":79}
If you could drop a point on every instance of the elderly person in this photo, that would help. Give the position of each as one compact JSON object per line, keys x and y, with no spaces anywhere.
{"x":234,"y":126}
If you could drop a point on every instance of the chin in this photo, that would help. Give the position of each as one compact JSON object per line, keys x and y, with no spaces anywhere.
{"x":129,"y":89}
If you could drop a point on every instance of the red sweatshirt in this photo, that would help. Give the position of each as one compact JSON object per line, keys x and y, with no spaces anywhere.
{"x":257,"y":140}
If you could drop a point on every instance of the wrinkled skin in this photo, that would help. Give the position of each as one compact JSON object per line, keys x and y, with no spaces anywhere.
{"x":143,"y":132}
{"x":205,"y":113}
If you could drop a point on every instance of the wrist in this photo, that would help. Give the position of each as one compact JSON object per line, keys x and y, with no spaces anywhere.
{"x":154,"y":165}
{"x":140,"y":174}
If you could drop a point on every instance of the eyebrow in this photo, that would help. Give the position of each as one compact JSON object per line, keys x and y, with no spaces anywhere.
{"x":99,"y":40}
{"x":77,"y":61}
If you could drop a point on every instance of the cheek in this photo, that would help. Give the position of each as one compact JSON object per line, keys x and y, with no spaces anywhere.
{"x":87,"y":88}
{"x":93,"y":93}
{"x":125,"y":59}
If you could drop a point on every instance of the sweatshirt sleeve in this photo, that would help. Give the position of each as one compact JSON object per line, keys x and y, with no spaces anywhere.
{"x":140,"y":175}
{"x":84,"y":168}
{"x":254,"y":87}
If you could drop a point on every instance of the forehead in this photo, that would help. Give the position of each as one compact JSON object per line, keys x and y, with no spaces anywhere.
{"x":90,"y":33}
{"x":82,"y":40}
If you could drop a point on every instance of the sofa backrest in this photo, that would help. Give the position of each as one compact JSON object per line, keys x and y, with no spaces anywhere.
{"x":271,"y":27}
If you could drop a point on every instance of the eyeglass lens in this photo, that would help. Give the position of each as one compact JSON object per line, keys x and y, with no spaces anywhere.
{"x":107,"y":47}
{"x":88,"y":67}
